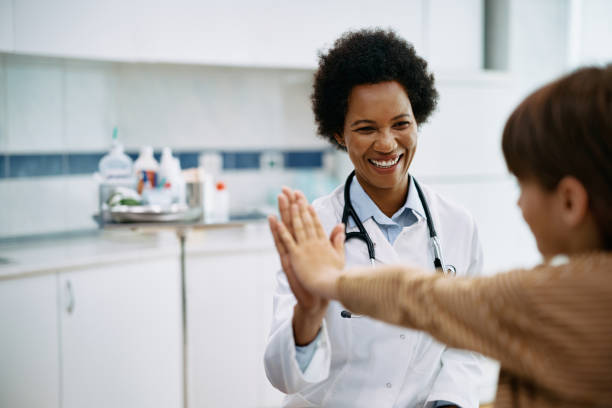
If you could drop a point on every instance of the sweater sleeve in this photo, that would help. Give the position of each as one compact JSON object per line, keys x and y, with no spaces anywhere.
{"x":539,"y":323}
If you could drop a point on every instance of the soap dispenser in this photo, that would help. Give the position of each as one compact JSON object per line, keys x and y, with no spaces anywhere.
{"x":115,"y":164}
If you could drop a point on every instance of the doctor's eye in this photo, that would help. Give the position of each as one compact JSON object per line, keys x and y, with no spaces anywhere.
{"x":366,"y":130}
{"x":402,"y":125}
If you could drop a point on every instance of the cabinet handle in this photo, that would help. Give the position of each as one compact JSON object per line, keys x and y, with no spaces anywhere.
{"x":69,"y":298}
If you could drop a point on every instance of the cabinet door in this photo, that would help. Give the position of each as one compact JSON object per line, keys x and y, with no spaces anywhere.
{"x":77,"y":28}
{"x":268,"y":395}
{"x":236,"y":32}
{"x":226,"y":316}
{"x":6,"y":26}
{"x":121,"y":335}
{"x":29,"y":352}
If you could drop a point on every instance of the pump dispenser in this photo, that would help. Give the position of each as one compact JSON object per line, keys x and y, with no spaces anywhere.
{"x":115,"y":164}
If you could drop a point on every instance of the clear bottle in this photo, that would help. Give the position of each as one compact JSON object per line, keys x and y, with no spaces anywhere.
{"x":222,"y":203}
{"x":146,"y":169}
{"x":171,"y":181}
{"x":210,"y":164}
{"x":115,"y":164}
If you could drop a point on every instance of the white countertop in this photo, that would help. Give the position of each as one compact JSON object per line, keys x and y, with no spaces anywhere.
{"x":34,"y":256}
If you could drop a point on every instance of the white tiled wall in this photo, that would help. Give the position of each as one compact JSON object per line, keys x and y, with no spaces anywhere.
{"x":69,"y":105}
{"x":34,"y":88}
{"x":40,"y":205}
{"x":89,"y":105}
{"x":3,"y":116}
{"x":59,"y":105}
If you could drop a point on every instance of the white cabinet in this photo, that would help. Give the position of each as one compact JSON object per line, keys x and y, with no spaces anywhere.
{"x":229,"y":310}
{"x":121,"y":335}
{"x":88,"y":28}
{"x":29,"y":358}
{"x":236,"y":32}
{"x":267,"y":33}
{"x":6,"y":25}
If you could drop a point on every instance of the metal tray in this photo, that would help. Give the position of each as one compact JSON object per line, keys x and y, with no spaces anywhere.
{"x":154,"y":213}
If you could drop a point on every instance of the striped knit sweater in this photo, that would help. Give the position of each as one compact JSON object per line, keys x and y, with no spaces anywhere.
{"x":550,"y":327}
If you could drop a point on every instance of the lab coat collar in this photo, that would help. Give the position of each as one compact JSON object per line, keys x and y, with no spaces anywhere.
{"x":366,"y":208}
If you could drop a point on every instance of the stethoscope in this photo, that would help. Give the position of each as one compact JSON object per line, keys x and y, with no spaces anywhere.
{"x":363,"y":235}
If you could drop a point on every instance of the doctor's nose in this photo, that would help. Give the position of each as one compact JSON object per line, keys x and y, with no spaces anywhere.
{"x":385,"y":142}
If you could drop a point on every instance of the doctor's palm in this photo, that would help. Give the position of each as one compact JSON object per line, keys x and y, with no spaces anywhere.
{"x":316,"y":261}
{"x":309,"y":302}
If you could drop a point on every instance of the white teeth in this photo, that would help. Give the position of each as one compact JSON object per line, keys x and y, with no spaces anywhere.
{"x":385,"y":163}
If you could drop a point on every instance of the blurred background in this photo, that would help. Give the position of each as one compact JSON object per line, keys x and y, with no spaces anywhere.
{"x":231,"y":78}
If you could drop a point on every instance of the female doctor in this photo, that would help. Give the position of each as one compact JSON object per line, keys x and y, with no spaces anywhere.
{"x":371,"y":92}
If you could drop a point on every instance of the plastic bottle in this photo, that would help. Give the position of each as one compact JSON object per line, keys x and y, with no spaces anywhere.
{"x":166,"y":168}
{"x":210,"y":164}
{"x":171,"y":181}
{"x":221,"y":208}
{"x":146,"y":169}
{"x":115,"y":164}
{"x":179,"y":182}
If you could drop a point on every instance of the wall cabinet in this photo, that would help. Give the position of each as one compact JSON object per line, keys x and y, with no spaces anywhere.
{"x":268,"y":33}
{"x":237,"y":32}
{"x":6,"y":26}
{"x":29,"y":359}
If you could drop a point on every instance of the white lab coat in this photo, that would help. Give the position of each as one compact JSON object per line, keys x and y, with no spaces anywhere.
{"x":361,"y":362}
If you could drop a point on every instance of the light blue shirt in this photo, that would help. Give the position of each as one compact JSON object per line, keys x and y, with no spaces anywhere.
{"x":405,"y":216}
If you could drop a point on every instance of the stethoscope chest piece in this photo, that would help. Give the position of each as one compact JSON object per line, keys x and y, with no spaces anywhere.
{"x":450,"y":270}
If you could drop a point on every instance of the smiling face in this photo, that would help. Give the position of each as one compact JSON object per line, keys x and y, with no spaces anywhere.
{"x":380,"y":136}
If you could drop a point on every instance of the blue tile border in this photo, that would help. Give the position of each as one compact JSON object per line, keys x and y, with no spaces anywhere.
{"x":30,"y":165}
{"x":303,"y":159}
{"x":56,"y":164}
{"x":84,"y":163}
{"x":188,"y":160}
{"x":240,"y":160}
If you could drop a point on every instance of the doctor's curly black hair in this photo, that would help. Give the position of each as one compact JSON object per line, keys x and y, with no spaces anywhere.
{"x":368,"y":56}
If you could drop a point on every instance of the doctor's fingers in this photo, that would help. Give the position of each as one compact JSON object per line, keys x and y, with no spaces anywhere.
{"x":317,"y":223}
{"x":299,"y":197}
{"x":337,"y":238}
{"x":307,"y":221}
{"x":294,"y":283}
{"x":284,"y":209}
{"x":278,"y":241}
{"x":298,"y":226}
{"x":286,"y":238}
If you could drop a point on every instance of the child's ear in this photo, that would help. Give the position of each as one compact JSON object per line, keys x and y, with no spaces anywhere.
{"x":574,"y":200}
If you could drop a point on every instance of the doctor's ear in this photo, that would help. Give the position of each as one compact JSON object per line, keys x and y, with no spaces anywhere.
{"x":340,"y":139}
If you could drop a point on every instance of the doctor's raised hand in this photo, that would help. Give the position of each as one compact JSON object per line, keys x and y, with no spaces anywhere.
{"x":310,"y":308}
{"x":316,"y":261}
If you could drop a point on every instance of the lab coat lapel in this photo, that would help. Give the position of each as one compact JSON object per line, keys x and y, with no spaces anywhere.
{"x":412,"y":245}
{"x":385,"y":254}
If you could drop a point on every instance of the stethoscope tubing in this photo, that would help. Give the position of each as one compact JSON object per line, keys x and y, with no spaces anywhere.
{"x":363,"y":235}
